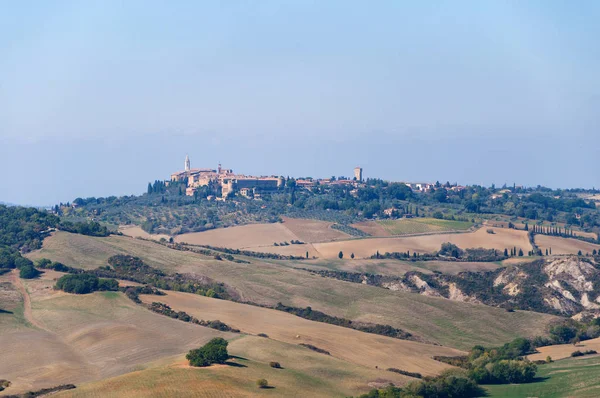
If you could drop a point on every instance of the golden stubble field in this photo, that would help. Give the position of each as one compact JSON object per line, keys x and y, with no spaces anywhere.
{"x":73,"y":338}
{"x":363,"y":248}
{"x":304,"y":373}
{"x":561,"y":351}
{"x":361,"y":348}
{"x":564,"y":245}
{"x":451,"y":323}
{"x":261,"y":238}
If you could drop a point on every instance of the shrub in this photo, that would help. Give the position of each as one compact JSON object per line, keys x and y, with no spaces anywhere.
{"x":504,"y":372}
{"x":275,"y":365}
{"x":405,"y":373}
{"x":450,"y":250}
{"x":263,"y":335}
{"x":262,"y":383}
{"x":215,"y":351}
{"x":315,"y":349}
{"x":4,"y":384}
{"x":28,"y":272}
{"x":580,"y":354}
{"x":85,"y":283}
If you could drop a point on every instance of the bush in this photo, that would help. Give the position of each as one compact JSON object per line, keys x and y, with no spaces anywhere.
{"x":262,"y":383}
{"x":263,"y":335}
{"x":405,"y":373}
{"x":28,"y":272}
{"x":315,"y":349}
{"x":85,"y":283}
{"x":450,"y":250}
{"x":580,"y":354}
{"x":504,"y":372}
{"x":4,"y":384}
{"x":215,"y":351}
{"x":275,"y":365}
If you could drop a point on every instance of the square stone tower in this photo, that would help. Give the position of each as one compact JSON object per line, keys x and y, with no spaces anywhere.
{"x":358,"y":173}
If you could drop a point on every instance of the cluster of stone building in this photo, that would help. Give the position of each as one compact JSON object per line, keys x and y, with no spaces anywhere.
{"x":247,"y":186}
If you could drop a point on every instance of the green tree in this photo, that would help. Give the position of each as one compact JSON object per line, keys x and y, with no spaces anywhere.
{"x":215,"y":351}
{"x":28,"y":272}
{"x":352,"y":255}
{"x":341,"y":255}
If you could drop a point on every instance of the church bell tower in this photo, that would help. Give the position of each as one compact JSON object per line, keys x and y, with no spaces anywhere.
{"x":187,"y":163}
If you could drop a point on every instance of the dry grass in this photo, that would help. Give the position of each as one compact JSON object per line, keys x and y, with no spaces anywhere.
{"x":564,"y":245}
{"x":451,"y":323}
{"x":362,"y":248}
{"x":137,"y":232}
{"x":312,"y":231}
{"x":89,"y":337}
{"x":560,"y":351}
{"x":242,"y":237}
{"x":350,"y":345}
{"x":304,"y":374}
{"x":393,"y":267}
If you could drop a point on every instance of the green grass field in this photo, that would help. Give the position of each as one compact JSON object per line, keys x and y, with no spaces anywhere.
{"x":451,"y":323}
{"x":408,"y":226}
{"x":565,"y":378}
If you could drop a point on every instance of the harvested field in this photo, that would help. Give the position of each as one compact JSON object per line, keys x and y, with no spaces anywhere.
{"x":364,"y":248}
{"x":394,"y":267}
{"x":312,"y":231}
{"x":447,"y":322}
{"x":564,"y":245}
{"x":242,"y":237}
{"x":560,"y":351}
{"x":89,"y":253}
{"x":137,"y":232}
{"x":88,"y":337}
{"x":303,"y":374}
{"x":361,"y":348}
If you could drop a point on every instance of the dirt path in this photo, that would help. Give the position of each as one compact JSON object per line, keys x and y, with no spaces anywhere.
{"x":27,"y":313}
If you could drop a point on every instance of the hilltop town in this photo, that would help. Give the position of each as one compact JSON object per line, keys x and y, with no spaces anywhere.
{"x":229,"y":183}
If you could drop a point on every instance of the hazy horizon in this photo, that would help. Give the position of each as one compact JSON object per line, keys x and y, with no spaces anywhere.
{"x":99,"y":98}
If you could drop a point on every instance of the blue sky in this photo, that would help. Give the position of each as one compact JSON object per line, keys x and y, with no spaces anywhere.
{"x":98,"y":98}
